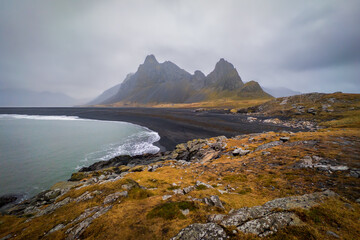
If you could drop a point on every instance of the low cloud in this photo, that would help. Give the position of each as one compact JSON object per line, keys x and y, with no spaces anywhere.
{"x":84,"y":47}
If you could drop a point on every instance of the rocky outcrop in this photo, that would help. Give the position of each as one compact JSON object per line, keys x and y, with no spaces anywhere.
{"x":315,"y":162}
{"x":198,"y":231}
{"x":259,"y":220}
{"x":270,"y":217}
{"x":76,"y":231}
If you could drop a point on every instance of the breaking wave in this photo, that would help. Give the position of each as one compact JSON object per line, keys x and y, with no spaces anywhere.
{"x":136,"y":144}
{"x":39,"y":117}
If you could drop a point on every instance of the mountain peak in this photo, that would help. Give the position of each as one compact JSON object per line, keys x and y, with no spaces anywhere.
{"x":223,"y":64}
{"x":224,"y":77}
{"x":150,"y":59}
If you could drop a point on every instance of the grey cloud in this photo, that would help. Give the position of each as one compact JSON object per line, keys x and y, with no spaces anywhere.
{"x":84,"y":47}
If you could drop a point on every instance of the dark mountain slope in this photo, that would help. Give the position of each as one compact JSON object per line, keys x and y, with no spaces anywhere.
{"x":156,"y":82}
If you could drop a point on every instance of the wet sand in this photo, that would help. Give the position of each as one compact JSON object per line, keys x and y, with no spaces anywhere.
{"x":173,"y":125}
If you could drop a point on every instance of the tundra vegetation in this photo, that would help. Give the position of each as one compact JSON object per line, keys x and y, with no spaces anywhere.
{"x":273,"y":185}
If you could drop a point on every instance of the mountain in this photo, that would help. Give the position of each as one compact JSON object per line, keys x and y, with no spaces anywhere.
{"x":107,"y":93}
{"x":281,"y":92}
{"x":26,"y":98}
{"x":224,"y":77}
{"x":165,"y":82}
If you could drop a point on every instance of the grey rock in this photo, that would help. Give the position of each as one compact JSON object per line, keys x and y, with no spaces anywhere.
{"x":198,"y":231}
{"x":178,"y":191}
{"x":284,"y":139}
{"x":76,"y":231}
{"x":102,"y":177}
{"x":240,"y":151}
{"x":312,"y":111}
{"x":268,"y":145}
{"x":84,"y":197}
{"x":6,"y":237}
{"x":113,"y":197}
{"x":332,"y":234}
{"x":130,"y":185}
{"x":56,"y":228}
{"x":188,"y":189}
{"x":53,"y":207}
{"x":269,"y":224}
{"x":86,"y":214}
{"x":265,"y":153}
{"x":185,"y":212}
{"x":166,"y":197}
{"x":355,"y":173}
{"x":53,"y":194}
{"x":213,"y":201}
{"x":268,"y":218}
{"x":198,"y":183}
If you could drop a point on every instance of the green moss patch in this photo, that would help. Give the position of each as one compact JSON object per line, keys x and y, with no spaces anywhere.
{"x":171,"y":210}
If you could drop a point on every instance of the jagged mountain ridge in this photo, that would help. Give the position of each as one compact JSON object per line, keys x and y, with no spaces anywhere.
{"x":165,"y":82}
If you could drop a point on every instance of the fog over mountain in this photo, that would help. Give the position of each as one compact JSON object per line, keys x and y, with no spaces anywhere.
{"x":280,"y":91}
{"x":82,"y":48}
{"x":26,"y":98}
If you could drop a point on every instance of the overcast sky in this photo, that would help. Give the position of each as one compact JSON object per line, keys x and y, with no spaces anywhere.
{"x":83,"y":47}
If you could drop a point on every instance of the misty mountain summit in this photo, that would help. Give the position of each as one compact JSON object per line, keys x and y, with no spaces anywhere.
{"x":224,"y":77}
{"x":165,"y":82}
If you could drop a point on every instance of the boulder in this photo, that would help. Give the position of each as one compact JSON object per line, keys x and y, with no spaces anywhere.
{"x":240,"y":152}
{"x":213,"y":201}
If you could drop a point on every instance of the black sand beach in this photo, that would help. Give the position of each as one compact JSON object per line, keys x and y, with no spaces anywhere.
{"x":173,"y":125}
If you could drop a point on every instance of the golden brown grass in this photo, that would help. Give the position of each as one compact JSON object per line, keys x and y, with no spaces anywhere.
{"x":255,"y":179}
{"x":222,"y":103}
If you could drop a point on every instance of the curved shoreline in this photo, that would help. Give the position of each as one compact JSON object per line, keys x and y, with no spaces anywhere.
{"x":173,"y":125}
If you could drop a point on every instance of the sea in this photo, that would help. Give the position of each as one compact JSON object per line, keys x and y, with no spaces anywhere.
{"x":38,"y":151}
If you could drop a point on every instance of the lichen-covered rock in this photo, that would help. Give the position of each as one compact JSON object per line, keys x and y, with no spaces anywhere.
{"x":199,"y":183}
{"x":188,"y":189}
{"x":113,"y":197}
{"x":269,"y":224}
{"x":268,"y":145}
{"x":198,"y":231}
{"x":76,"y":231}
{"x":213,"y":201}
{"x":240,"y":152}
{"x":53,"y":207}
{"x":273,"y":215}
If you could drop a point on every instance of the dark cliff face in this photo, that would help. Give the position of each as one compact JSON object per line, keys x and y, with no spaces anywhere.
{"x":224,"y":77}
{"x":156,"y":82}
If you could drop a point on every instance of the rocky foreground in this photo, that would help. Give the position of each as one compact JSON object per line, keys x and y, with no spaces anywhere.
{"x":257,"y":185}
{"x":272,"y":185}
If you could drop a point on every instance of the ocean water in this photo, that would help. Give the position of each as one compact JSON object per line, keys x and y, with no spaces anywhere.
{"x":38,"y":151}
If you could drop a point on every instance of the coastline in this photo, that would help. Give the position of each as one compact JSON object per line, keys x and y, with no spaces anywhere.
{"x":174,"y":126}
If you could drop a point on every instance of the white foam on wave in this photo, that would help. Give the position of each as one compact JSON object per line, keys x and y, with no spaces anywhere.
{"x":136,"y":144}
{"x":39,"y":117}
